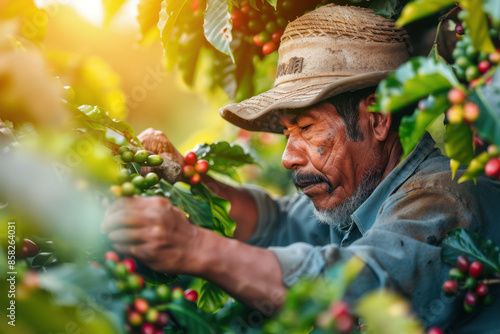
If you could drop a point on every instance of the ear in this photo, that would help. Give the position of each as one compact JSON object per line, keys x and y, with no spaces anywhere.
{"x":379,"y":123}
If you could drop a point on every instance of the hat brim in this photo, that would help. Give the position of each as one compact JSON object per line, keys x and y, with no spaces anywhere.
{"x":261,"y":112}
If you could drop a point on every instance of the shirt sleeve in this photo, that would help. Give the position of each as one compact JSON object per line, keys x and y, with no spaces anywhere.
{"x":401,"y":250}
{"x":271,"y":212}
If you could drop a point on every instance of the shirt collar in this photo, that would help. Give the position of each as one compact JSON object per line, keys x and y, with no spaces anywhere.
{"x":365,"y":215}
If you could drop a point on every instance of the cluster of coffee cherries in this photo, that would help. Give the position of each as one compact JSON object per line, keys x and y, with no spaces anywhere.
{"x":143,"y":302}
{"x":338,"y":316}
{"x":265,"y":26}
{"x":129,"y":184}
{"x":467,"y":276}
{"x":461,"y":110}
{"x":194,"y":167}
{"x":471,"y":65}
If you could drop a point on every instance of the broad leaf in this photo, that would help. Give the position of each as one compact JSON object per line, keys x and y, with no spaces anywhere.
{"x":387,"y":313}
{"x":198,"y":211}
{"x":476,"y":167}
{"x":98,"y":119}
{"x":134,"y":168}
{"x":273,"y":3}
{"x":188,"y":48}
{"x":193,"y":320}
{"x":42,"y":259}
{"x":477,"y":26}
{"x":148,"y":16}
{"x":462,"y":242}
{"x":220,"y":209}
{"x":218,"y":26}
{"x":211,"y":298}
{"x":488,"y":100}
{"x":418,"y":9}
{"x":169,"y":14}
{"x":458,"y":143}
{"x":412,"y":81}
{"x":385,"y":8}
{"x":111,"y":7}
{"x":492,"y":7}
{"x":413,"y":127}
{"x":222,"y":154}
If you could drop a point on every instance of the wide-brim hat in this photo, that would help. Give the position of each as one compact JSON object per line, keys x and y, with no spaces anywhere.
{"x":331,"y":50}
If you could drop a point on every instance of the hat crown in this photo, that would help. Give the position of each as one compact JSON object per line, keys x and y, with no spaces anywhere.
{"x":339,"y":41}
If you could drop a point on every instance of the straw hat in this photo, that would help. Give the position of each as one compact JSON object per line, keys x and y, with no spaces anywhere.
{"x":331,"y":50}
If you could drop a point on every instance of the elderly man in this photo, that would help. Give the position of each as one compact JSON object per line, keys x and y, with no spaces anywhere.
{"x":346,"y":160}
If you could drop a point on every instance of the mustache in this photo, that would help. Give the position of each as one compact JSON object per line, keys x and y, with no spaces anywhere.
{"x":302,"y":180}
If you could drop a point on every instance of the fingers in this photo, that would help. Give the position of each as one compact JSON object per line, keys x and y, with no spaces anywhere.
{"x":128,"y":236}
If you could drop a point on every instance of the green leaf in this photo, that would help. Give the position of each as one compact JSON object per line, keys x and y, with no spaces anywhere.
{"x":111,"y":7}
{"x":148,"y":16}
{"x":273,"y":3}
{"x":385,"y":8}
{"x":412,"y":81}
{"x":193,"y":320}
{"x":458,"y":143}
{"x":488,"y":100}
{"x":413,"y":127}
{"x":198,"y":211}
{"x":134,"y":167}
{"x":220,"y":209}
{"x":476,"y":167}
{"x":477,"y":25}
{"x":492,"y":7}
{"x":418,"y":9}
{"x":188,"y":48}
{"x":43,"y":259}
{"x":387,"y":313}
{"x":98,"y":118}
{"x":211,"y":298}
{"x":343,"y":275}
{"x":218,"y":26}
{"x":222,"y":156}
{"x":169,"y":13}
{"x":462,"y":242}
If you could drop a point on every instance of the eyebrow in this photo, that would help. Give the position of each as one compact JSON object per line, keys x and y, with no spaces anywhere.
{"x":298,"y":116}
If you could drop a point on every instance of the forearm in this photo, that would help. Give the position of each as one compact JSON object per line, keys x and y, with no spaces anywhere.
{"x":243,"y":207}
{"x":250,"y":274}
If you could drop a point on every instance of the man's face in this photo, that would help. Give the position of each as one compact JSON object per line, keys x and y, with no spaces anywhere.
{"x":319,"y":148}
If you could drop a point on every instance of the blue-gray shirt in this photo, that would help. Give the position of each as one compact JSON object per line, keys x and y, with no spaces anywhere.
{"x":397,"y":231}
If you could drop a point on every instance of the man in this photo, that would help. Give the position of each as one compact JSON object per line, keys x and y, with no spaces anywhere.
{"x":346,"y":160}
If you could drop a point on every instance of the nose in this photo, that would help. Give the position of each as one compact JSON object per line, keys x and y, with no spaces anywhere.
{"x":293,"y":156}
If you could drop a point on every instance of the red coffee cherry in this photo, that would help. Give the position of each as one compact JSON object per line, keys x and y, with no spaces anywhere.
{"x":459,"y":29}
{"x":435,"y":330}
{"x":276,"y":36}
{"x":191,"y":295}
{"x":450,"y":287}
{"x":141,"y":305}
{"x":456,"y":96}
{"x":195,"y":179}
{"x":148,"y":329}
{"x":484,"y":66}
{"x":269,"y":47}
{"x":201,"y":166}
{"x":29,"y":248}
{"x":482,"y":290}
{"x":190,"y":158}
{"x":492,"y":167}
{"x":162,"y":320}
{"x":476,"y":269}
{"x":471,"y":299}
{"x":110,"y":255}
{"x":188,"y":170}
{"x":463,"y":263}
{"x":130,"y":265}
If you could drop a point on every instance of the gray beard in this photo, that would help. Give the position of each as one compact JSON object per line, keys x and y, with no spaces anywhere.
{"x":340,"y":216}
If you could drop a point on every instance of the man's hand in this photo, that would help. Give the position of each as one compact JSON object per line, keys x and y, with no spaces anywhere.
{"x":152,"y":230}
